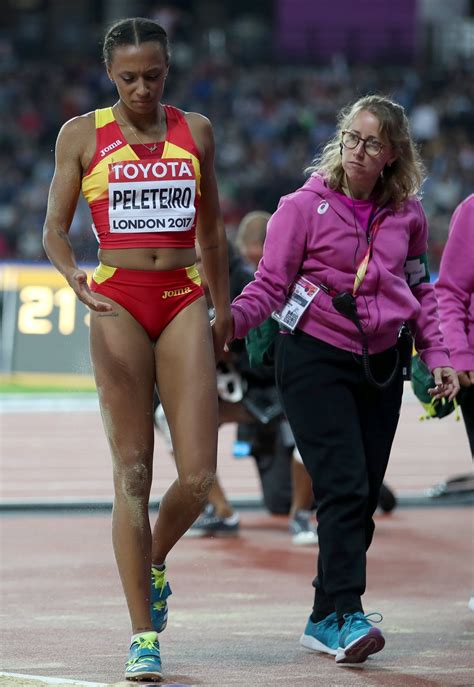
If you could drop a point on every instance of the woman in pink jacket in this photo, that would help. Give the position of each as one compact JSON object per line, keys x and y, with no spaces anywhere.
{"x":455,"y":292}
{"x":344,"y":266}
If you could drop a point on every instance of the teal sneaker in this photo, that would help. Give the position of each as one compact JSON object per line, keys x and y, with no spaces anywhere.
{"x":322,"y":636}
{"x":358,"y":638}
{"x":144,"y":662}
{"x":160,"y":591}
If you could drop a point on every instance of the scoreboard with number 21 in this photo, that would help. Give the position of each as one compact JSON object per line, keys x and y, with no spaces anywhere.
{"x":44,"y":327}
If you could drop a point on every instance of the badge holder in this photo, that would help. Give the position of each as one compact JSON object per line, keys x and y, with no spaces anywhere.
{"x":301,"y":294}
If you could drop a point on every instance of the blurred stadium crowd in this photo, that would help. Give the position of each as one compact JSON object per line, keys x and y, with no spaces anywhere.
{"x":269,"y":122}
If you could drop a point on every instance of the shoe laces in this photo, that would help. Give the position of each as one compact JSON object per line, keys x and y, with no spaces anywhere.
{"x":158,"y":578}
{"x":146,"y":642}
{"x":359,"y":617}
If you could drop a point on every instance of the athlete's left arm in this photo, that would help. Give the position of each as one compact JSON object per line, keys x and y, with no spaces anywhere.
{"x":210,"y":233}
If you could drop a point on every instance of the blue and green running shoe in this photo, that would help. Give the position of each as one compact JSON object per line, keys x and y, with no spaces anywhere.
{"x":358,"y":638}
{"x":160,"y":591}
{"x":322,"y":636}
{"x":144,"y":662}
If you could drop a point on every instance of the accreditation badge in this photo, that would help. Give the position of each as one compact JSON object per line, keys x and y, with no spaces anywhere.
{"x":301,"y":293}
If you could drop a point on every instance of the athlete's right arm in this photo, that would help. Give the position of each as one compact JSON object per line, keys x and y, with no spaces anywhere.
{"x":62,"y":201}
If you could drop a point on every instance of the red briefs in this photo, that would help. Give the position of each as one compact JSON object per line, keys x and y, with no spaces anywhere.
{"x":153,"y":298}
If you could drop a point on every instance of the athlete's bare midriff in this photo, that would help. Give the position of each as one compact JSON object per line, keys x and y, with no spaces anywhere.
{"x":148,"y":258}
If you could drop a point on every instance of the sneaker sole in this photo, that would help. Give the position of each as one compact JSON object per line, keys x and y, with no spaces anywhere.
{"x":312,"y":643}
{"x":206,"y":533}
{"x":153,"y":675}
{"x":359,"y":650}
{"x":304,"y":539}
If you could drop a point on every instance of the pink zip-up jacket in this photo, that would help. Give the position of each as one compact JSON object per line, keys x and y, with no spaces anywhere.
{"x":314,"y":233}
{"x":455,"y":287}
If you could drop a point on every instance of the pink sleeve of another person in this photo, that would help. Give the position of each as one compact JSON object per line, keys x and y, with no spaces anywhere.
{"x":455,"y":287}
{"x":283,"y":253}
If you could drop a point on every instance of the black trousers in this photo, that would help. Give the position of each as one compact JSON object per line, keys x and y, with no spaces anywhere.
{"x":466,"y":401}
{"x":344,"y":429}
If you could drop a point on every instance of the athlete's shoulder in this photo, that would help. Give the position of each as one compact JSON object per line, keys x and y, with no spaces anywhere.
{"x":188,"y":116}
{"x":198,"y":126}
{"x":196,"y":119}
{"x":201,"y":131}
{"x":78,"y":127}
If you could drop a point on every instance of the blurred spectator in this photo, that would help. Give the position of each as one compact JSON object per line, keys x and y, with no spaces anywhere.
{"x":424,"y":122}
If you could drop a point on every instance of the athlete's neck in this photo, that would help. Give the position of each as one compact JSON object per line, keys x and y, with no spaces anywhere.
{"x":148,"y":123}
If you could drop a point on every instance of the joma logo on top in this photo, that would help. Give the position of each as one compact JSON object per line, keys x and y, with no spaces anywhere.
{"x":110,"y":147}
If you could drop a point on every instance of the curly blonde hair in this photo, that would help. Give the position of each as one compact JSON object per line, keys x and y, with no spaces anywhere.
{"x":398,"y":182}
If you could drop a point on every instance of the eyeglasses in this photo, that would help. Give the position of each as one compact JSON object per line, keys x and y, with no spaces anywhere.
{"x":372,"y":147}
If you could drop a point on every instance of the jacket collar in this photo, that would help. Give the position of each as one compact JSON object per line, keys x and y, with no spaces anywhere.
{"x":317,"y":185}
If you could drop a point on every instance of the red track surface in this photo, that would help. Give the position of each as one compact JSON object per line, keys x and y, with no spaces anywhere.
{"x":239,"y":605}
{"x":64,"y":455}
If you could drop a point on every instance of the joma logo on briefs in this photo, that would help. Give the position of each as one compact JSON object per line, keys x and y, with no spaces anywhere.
{"x":110,"y":147}
{"x":177,"y":292}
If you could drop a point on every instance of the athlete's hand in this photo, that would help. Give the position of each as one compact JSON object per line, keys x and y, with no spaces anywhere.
{"x":447,"y":383}
{"x":78,"y":282}
{"x":230,"y":334}
{"x":222,"y":331}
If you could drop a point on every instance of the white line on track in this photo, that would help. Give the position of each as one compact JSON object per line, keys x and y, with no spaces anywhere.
{"x":65,"y":403}
{"x":53,"y":680}
{"x":26,"y":403}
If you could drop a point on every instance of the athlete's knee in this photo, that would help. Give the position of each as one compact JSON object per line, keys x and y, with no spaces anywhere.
{"x":200,"y":483}
{"x":134,"y":480}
